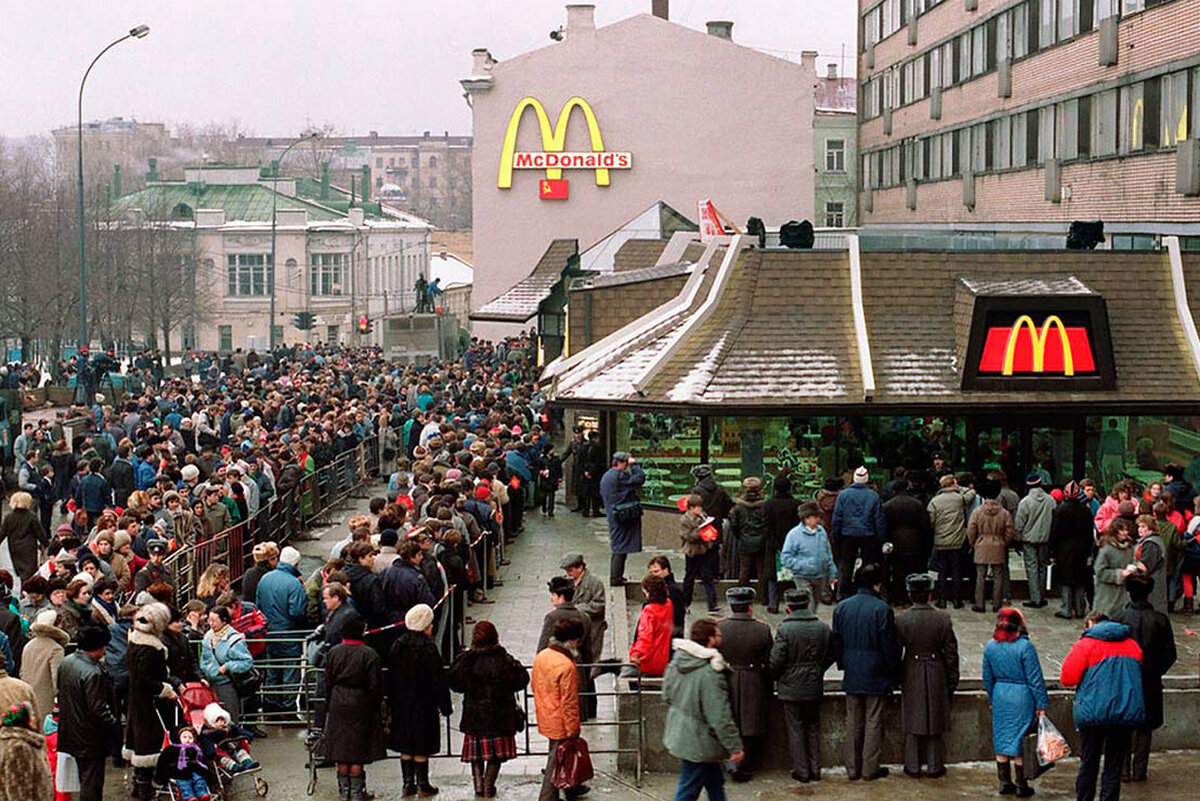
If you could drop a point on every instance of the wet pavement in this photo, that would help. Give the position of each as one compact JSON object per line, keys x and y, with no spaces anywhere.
{"x":521,"y":604}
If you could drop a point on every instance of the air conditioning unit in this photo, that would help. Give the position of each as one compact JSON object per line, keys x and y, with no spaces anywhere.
{"x":912,"y":29}
{"x":935,"y":103}
{"x":910,"y":188}
{"x":1108,"y":41}
{"x":968,"y":190}
{"x":1004,"y":77}
{"x":887,"y":122}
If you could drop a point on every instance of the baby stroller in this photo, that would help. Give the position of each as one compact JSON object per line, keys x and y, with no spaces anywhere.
{"x":193,"y":698}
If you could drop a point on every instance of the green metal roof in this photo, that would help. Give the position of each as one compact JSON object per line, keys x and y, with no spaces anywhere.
{"x":244,"y":202}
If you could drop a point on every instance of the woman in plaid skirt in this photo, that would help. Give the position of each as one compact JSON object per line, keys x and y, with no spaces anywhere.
{"x":488,"y":677}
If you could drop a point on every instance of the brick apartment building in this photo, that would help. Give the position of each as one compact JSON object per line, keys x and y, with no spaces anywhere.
{"x":1023,"y":115}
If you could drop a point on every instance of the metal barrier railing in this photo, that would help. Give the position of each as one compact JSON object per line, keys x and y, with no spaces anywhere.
{"x":525,"y":746}
{"x":283,"y":517}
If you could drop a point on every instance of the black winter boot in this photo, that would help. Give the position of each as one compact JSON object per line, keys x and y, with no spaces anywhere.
{"x":408,"y":771}
{"x":489,"y":779}
{"x":1023,"y":788}
{"x":358,"y":788}
{"x":477,"y":772}
{"x":1004,"y":771}
{"x":424,"y":788}
{"x":343,"y":786}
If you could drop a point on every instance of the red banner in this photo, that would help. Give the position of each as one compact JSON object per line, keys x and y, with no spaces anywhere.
{"x":554,"y":189}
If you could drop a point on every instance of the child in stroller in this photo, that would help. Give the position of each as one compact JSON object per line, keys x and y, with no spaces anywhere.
{"x":225,"y":743}
{"x":182,"y":762}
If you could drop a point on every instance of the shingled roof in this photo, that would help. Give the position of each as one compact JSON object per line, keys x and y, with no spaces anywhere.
{"x":520,"y":302}
{"x":780,"y":334}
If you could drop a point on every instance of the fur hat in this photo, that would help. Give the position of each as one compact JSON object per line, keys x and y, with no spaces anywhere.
{"x":152,"y":618}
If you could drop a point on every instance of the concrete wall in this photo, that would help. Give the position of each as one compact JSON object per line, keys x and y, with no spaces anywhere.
{"x":702,"y":116}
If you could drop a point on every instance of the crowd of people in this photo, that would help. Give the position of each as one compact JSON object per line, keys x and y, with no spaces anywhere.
{"x":94,"y":620}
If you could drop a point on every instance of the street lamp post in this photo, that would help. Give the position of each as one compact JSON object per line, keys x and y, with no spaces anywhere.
{"x":134,"y":33}
{"x":274,"y":205}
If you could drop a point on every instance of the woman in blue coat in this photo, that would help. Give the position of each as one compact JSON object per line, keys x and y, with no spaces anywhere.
{"x":1012,"y":676}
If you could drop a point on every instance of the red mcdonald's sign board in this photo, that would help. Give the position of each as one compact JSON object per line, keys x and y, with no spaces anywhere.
{"x":1024,"y":348}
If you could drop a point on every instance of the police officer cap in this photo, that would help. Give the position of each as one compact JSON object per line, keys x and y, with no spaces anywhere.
{"x":157,"y":545}
{"x":919,"y":582}
{"x":797,"y":598}
{"x":739,"y":595}
{"x":559,"y":584}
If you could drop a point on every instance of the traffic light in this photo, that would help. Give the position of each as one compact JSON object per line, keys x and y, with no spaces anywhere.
{"x":364,"y":325}
{"x":304,"y":321}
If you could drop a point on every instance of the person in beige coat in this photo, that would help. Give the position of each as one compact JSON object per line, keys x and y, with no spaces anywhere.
{"x":39,"y":663}
{"x":12,"y":690}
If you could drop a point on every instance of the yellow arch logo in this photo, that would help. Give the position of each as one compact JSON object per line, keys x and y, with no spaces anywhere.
{"x":1039,"y":344}
{"x":552,"y":159}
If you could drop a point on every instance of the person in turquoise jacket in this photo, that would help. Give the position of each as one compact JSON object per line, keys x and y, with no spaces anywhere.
{"x":700,"y":729}
{"x":224,"y":653}
{"x":806,"y":552}
{"x":1016,"y":688}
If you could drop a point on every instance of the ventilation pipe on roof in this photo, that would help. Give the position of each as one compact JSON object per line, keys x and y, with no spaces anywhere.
{"x":116,"y":184}
{"x":366,"y":182}
{"x":832,"y":71}
{"x":581,"y":19}
{"x":720,"y":28}
{"x":661,"y":8}
{"x":324,"y":180}
{"x":482,"y":61}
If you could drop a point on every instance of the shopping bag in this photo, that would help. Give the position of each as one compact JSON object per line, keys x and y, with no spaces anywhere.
{"x":1051,"y":745}
{"x":66,"y":778}
{"x":572,"y":764}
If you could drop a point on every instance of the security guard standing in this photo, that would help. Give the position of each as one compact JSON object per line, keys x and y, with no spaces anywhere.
{"x":746,"y":646}
{"x":930,"y":659}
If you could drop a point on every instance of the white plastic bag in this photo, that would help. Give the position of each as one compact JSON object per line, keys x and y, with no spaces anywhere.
{"x":1051,"y":745}
{"x":66,"y":777}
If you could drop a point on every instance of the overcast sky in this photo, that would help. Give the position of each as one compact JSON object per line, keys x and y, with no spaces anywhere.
{"x":275,"y":66}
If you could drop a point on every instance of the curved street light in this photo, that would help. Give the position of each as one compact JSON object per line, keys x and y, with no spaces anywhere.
{"x":139,"y":32}
{"x":274,"y":202}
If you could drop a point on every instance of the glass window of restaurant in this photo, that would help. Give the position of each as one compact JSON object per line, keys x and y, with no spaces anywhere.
{"x":667,"y":447}
{"x":811,"y":447}
{"x":1139,"y":447}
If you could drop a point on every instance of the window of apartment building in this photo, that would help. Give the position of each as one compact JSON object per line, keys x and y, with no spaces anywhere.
{"x":1046,"y":137}
{"x":835,"y":214}
{"x":278,"y":333}
{"x":872,"y":25}
{"x":1018,"y":136}
{"x":1033,"y":138}
{"x":891,"y":17}
{"x":433,"y":161}
{"x":979,"y":151}
{"x":249,"y":275}
{"x":331,"y":333}
{"x":1068,"y":19}
{"x":835,"y":155}
{"x":416,"y":162}
{"x":1001,"y":144}
{"x":1133,"y":114}
{"x":1018,"y":29}
{"x":1047,"y":17}
{"x":225,"y":337}
{"x":963,"y":149}
{"x":1106,"y":9}
{"x":1104,"y":123}
{"x":379,"y":162}
{"x":1174,"y":108}
{"x":328,"y":273}
{"x":1067,"y":136}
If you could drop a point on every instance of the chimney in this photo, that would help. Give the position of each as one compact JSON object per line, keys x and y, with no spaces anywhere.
{"x":324,"y":180}
{"x":116,"y":184}
{"x":482,"y":61}
{"x":366,"y":182}
{"x":581,"y":19}
{"x":832,"y":71}
{"x":720,"y":28}
{"x":661,"y":8}
{"x":808,"y":60}
{"x":353,"y":189}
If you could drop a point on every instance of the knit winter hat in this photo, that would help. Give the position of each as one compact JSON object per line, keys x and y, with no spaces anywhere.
{"x":861,"y":476}
{"x":418,"y":618}
{"x":152,"y":618}
{"x":289,"y":555}
{"x":213,"y":712}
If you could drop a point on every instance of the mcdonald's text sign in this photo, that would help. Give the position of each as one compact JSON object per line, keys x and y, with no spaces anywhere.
{"x":553,"y":158}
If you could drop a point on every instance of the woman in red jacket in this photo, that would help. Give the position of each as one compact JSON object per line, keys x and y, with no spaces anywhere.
{"x":651,"y":648}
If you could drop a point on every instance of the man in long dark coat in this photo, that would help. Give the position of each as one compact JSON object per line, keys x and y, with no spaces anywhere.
{"x":930,"y":659}
{"x":618,"y":489}
{"x":1151,"y":630}
{"x":746,"y":645}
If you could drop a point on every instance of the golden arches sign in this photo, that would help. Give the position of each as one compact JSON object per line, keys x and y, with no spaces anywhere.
{"x":1039,"y":344}
{"x":554,"y":138}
